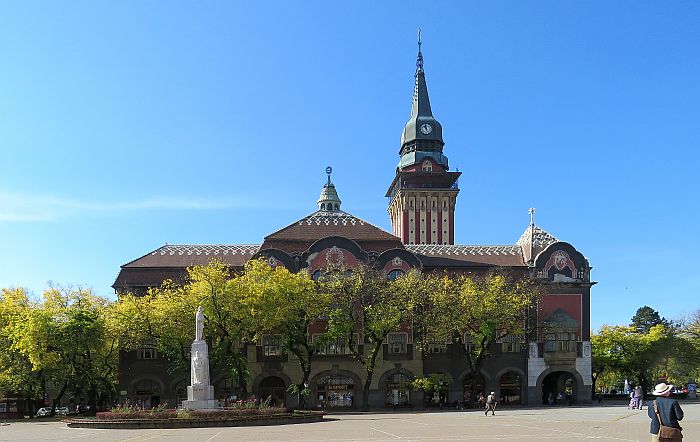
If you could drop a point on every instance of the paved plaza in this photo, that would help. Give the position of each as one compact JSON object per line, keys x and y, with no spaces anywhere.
{"x":602,"y":423}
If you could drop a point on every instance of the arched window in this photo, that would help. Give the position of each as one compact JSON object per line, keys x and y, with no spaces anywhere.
{"x":323,"y":206}
{"x":336,"y":207}
{"x":395,"y":274}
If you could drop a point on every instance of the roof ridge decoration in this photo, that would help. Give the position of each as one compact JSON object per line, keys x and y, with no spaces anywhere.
{"x":461,"y":249}
{"x":207,"y":249}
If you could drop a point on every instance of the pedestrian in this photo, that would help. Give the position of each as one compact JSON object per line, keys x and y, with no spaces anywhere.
{"x":665,"y":414}
{"x":639,"y":396}
{"x":550,"y":399}
{"x":491,"y":404}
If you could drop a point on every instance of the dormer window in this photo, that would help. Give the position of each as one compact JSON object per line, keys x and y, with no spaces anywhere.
{"x":427,"y":166}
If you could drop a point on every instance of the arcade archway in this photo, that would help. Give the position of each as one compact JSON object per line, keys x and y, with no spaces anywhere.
{"x":559,"y":387}
{"x":510,"y":388}
{"x":274,"y":388}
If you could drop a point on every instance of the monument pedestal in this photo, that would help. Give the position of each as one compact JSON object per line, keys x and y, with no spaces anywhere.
{"x":200,"y":395}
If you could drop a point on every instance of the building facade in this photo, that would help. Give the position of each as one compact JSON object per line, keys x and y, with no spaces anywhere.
{"x":422,"y":198}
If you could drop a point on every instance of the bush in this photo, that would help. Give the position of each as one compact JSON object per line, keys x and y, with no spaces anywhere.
{"x":160,"y":413}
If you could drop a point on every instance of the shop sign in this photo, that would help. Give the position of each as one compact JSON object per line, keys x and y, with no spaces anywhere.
{"x":395,"y":385}
{"x":338,"y":387}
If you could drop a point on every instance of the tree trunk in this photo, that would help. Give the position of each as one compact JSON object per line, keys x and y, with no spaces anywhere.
{"x":92,"y":400}
{"x":57,"y":399}
{"x":369,"y":367}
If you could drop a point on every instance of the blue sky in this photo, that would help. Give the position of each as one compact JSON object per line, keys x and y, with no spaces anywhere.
{"x":125,"y":125}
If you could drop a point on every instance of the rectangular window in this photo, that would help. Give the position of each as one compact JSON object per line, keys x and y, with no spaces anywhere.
{"x":397,"y":343}
{"x":147,"y":351}
{"x":336,"y":347}
{"x":435,"y":347}
{"x":510,"y":344}
{"x":560,"y":341}
{"x":272,"y":345}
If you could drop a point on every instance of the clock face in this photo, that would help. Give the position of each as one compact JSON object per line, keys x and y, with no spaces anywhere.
{"x":425,"y":128}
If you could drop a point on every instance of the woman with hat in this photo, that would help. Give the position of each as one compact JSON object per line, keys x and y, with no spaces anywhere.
{"x":668,"y":410}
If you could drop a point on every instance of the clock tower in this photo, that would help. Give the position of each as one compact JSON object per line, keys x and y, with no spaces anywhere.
{"x":423,"y":194}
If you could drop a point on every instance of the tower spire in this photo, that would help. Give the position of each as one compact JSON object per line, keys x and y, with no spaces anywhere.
{"x":419,"y":59}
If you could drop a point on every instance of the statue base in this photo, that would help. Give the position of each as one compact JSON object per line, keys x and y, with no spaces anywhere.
{"x":200,"y":397}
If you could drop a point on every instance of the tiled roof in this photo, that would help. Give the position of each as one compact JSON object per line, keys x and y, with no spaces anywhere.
{"x":185,"y":255}
{"x":541,"y":238}
{"x":458,"y":249}
{"x":322,"y":224}
{"x":437,"y":255}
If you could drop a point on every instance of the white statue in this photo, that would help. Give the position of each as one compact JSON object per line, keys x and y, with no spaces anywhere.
{"x":199,"y":325}
{"x":200,"y":393}
{"x":200,"y":369}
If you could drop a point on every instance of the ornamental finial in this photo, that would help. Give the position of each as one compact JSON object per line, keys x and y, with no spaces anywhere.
{"x":531,"y":211}
{"x":329,"y":170}
{"x":419,"y":60}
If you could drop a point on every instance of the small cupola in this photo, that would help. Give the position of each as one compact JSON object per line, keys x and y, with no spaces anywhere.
{"x":329,"y":200}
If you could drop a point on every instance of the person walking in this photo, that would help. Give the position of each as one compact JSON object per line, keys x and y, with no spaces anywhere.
{"x":639,"y":396}
{"x":491,"y":404}
{"x":665,"y":413}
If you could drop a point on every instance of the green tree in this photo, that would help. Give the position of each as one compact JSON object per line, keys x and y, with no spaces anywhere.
{"x":285,"y":304}
{"x":65,"y":338}
{"x":365,"y":303}
{"x":645,"y":318}
{"x":644,"y":356}
{"x":166,"y":316}
{"x":477,"y":312}
{"x":17,"y":376}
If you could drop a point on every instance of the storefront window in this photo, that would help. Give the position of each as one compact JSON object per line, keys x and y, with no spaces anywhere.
{"x":397,"y":392}
{"x":335,"y":391}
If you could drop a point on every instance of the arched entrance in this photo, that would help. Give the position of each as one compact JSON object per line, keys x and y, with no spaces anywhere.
{"x":335,"y":391}
{"x":511,"y":388}
{"x":397,"y":390}
{"x":274,"y":388}
{"x":147,"y":393}
{"x":559,"y":387}
{"x":472,"y":387}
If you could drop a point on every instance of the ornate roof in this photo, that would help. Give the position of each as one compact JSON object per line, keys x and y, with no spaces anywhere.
{"x":458,"y":249}
{"x":185,"y":255}
{"x":298,"y":236}
{"x":538,"y":236}
{"x":446,"y":255}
